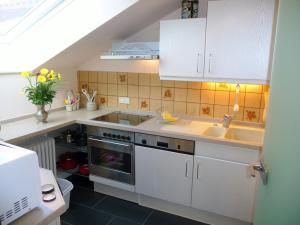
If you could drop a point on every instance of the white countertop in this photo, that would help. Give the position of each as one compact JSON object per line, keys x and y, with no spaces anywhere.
{"x":47,"y":211}
{"x":19,"y":130}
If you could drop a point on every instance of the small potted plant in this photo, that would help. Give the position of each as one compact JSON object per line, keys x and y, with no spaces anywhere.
{"x":41,"y":90}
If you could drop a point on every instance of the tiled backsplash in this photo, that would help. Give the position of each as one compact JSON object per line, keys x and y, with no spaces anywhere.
{"x":147,"y":92}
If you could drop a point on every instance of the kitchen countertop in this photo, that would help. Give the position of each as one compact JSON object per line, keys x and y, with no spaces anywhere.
{"x":47,"y":211}
{"x":22,"y":129}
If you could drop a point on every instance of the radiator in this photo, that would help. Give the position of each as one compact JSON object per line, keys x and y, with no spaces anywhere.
{"x":45,"y":149}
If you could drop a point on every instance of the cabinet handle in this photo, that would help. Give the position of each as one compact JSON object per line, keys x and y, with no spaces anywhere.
{"x":198,"y":57}
{"x":186,"y":169}
{"x":198,"y":171}
{"x":209,"y":63}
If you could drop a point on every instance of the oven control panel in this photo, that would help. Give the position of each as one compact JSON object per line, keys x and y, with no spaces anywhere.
{"x":119,"y":135}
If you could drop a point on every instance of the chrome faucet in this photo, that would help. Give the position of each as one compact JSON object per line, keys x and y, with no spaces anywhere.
{"x":227,"y":120}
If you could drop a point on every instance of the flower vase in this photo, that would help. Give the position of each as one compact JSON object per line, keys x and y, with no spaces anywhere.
{"x":41,"y":115}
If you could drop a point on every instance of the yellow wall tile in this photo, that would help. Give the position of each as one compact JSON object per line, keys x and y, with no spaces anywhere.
{"x":133,"y":91}
{"x":144,"y":104}
{"x":168,"y":106}
{"x":207,"y":97}
{"x":102,"y":101}
{"x":180,"y":107}
{"x":194,"y":85}
{"x":253,"y":100}
{"x":155,"y":93}
{"x":193,"y":109}
{"x":223,"y":87}
{"x":102,"y":77}
{"x":251,"y":114}
{"x":112,"y":89}
{"x":122,"y":106}
{"x":93,"y":76}
{"x":155,"y":81}
{"x":180,"y":94}
{"x":222,"y":98}
{"x":206,"y":110}
{"x":254,"y":88}
{"x":193,"y":95}
{"x":155,"y":105}
{"x":181,"y":84}
{"x":102,"y":89}
{"x":133,"y":104}
{"x":122,"y":90}
{"x":241,"y":99}
{"x":167,"y":93}
{"x":83,"y":76}
{"x":220,"y":110}
{"x":83,"y":85}
{"x":144,"y":79}
{"x":144,"y":91}
{"x":112,"y":101}
{"x":168,"y":83}
{"x":112,"y":78}
{"x":133,"y":78}
{"x":93,"y":87}
{"x":208,"y":86}
{"x":122,"y":78}
{"x":238,"y":115}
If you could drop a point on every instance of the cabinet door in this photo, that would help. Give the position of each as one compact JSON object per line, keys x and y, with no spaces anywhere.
{"x":164,"y":175}
{"x":223,"y":187}
{"x":182,"y":49}
{"x":238,"y":39}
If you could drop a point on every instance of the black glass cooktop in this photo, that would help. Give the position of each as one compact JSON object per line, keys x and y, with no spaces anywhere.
{"x":123,"y":118}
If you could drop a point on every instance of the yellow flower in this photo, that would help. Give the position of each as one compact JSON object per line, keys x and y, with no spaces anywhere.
{"x":51,"y":76}
{"x":41,"y":79}
{"x":26,"y":74}
{"x":59,"y":77}
{"x":44,"y":71}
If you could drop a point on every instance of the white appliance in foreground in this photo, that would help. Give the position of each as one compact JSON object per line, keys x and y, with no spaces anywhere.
{"x":20,"y":189}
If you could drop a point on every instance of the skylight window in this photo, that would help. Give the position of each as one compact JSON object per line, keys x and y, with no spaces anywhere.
{"x":17,"y":16}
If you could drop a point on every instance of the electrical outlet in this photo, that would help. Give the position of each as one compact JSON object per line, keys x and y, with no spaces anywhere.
{"x":124,"y":100}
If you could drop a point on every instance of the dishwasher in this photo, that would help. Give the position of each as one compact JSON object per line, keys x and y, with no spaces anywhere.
{"x":164,"y":167}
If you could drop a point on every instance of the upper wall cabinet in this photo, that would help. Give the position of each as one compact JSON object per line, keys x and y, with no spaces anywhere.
{"x":239,"y":39}
{"x":182,"y":45}
{"x":237,"y":46}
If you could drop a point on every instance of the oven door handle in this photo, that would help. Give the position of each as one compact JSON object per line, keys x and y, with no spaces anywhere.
{"x":110,"y":142}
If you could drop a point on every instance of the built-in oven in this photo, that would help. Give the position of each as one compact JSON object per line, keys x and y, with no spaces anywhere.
{"x":111,"y":154}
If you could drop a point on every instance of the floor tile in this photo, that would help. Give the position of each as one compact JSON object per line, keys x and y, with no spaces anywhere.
{"x":86,"y":197}
{"x":162,"y":218}
{"x":120,"y":221}
{"x":81,"y":181}
{"x":79,"y":215}
{"x":121,"y":208}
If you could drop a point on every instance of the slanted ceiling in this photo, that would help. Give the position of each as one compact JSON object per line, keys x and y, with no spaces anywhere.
{"x":130,"y":21}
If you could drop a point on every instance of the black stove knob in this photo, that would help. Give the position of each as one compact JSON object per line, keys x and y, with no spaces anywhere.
{"x":123,"y":137}
{"x":118,"y":136}
{"x":104,"y":134}
{"x":128,"y":138}
{"x":114,"y":136}
{"x":108,"y":135}
{"x":144,"y":141}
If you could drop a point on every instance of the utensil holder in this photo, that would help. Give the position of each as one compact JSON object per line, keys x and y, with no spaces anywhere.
{"x":91,"y":106}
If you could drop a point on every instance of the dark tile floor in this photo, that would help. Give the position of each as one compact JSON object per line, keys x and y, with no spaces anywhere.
{"x":90,"y":208}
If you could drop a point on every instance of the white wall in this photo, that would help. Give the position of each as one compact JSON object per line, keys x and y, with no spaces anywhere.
{"x":13,"y":104}
{"x":150,"y":33}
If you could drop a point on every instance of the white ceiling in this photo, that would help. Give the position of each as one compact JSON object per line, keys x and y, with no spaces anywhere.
{"x":130,"y":21}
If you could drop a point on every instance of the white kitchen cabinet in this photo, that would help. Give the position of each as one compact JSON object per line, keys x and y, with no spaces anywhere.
{"x":239,"y":40}
{"x":164,"y":175}
{"x":182,"y":45}
{"x":222,"y":183}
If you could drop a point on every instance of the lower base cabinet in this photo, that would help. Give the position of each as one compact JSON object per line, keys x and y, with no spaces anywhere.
{"x":164,"y":175}
{"x":223,"y":187}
